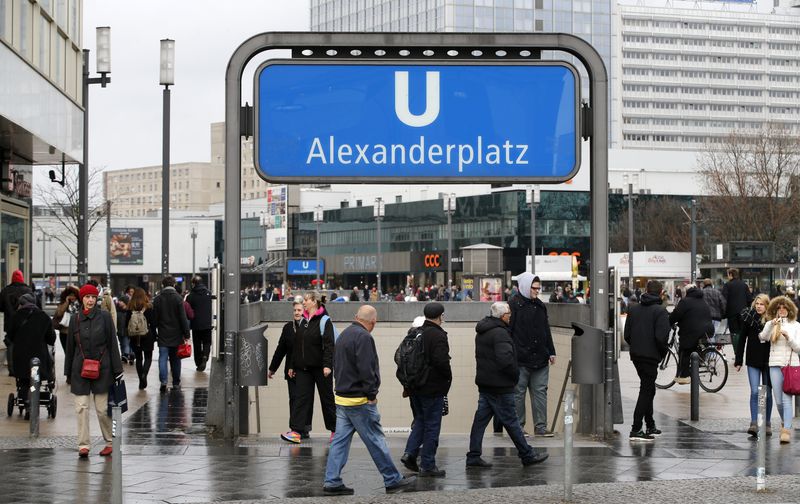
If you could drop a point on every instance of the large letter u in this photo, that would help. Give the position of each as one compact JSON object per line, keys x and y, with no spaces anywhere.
{"x":431,"y":99}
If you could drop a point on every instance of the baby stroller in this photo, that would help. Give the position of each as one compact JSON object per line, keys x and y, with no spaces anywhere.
{"x":47,"y":396}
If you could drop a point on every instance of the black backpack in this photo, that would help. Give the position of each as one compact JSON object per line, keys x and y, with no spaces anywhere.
{"x":412,"y":363}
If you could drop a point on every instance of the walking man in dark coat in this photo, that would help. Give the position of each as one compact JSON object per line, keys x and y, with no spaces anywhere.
{"x":200,"y":300}
{"x":737,"y":298}
{"x":172,"y":329}
{"x":647,"y":331}
{"x":496,"y":376}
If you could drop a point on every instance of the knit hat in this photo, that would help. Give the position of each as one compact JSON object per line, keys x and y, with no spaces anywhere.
{"x":88,"y":290}
{"x":16,"y":277}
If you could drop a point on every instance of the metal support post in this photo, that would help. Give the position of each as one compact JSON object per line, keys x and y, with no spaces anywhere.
{"x":608,"y":391}
{"x":108,"y":244}
{"x":116,"y":459}
{"x":317,"y":265}
{"x":194,"y":250}
{"x":693,"y":275}
{"x":83,"y":181}
{"x":450,"y":251}
{"x":761,"y":457}
{"x":165,"y":169}
{"x":695,"y":387}
{"x":380,"y":260}
{"x":631,"y":284}
{"x":568,"y":427}
{"x":33,"y":406}
{"x":533,"y":238}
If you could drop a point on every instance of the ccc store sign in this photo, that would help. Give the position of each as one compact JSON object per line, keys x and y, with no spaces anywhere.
{"x":432,"y":260}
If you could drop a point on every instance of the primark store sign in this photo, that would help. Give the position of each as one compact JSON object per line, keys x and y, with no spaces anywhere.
{"x":400,"y":123}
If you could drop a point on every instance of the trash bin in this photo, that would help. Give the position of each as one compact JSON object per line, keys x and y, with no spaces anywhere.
{"x":253,"y":357}
{"x":587,"y":354}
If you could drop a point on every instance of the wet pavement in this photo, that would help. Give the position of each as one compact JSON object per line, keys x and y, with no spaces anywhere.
{"x":168,"y":456}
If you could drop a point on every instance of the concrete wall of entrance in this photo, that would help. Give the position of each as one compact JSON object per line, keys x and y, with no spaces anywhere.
{"x":394,"y":319}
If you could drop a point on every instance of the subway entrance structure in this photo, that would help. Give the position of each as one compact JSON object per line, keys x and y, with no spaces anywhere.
{"x":408,"y":108}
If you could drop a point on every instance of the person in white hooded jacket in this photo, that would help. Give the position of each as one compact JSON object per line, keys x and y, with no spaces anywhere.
{"x":783,"y":331}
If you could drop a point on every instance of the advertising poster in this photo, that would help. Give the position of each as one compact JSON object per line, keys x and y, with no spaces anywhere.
{"x":277,"y":197}
{"x":491,"y":289}
{"x":125,"y":246}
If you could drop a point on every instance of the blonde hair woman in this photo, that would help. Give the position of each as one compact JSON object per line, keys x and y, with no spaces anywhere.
{"x":783,"y":332}
{"x":753,"y":319}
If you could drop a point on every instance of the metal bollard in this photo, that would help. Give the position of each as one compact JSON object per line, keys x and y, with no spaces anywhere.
{"x":761,"y":470}
{"x":33,"y":396}
{"x":568,"y":428}
{"x":695,"y":386}
{"x":116,"y":459}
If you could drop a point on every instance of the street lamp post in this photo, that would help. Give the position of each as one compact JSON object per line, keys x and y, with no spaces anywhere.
{"x":377,"y":212}
{"x":167,"y":79}
{"x":194,"y":243}
{"x":449,"y":208}
{"x":318,"y":216}
{"x":693,"y":275}
{"x":631,"y":182}
{"x":532,"y":198}
{"x":103,"y":67}
{"x":108,"y":243}
{"x":264,"y":222}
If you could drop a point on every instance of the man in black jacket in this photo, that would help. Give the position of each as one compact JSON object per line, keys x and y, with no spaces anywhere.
{"x":358,"y":379}
{"x":428,"y":399}
{"x":530,"y":330}
{"x":9,"y":301}
{"x":693,"y":317}
{"x":496,"y":376}
{"x":200,"y":300}
{"x":172,"y":329}
{"x":646,"y":331}
{"x":737,"y":298}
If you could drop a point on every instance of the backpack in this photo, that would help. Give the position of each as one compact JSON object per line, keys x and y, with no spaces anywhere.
{"x":322,"y":322}
{"x":137,"y":325}
{"x":412,"y":363}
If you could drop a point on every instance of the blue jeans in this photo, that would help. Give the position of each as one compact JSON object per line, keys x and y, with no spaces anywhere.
{"x":535,"y":381}
{"x":171,"y":354}
{"x":365,"y":420}
{"x":783,"y":401}
{"x":125,"y":345}
{"x":757,"y":376}
{"x":426,"y":427}
{"x":503,"y":407}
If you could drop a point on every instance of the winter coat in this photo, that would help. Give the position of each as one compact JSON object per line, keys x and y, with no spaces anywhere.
{"x":496,"y":370}
{"x":313,"y":349}
{"x":757,"y":350}
{"x":737,"y":297}
{"x":783,"y":352}
{"x":284,"y":348}
{"x":693,"y":318}
{"x":647,"y":329}
{"x":715,"y":301}
{"x":530,"y":327}
{"x":98,"y":340}
{"x":356,"y":369}
{"x":9,"y":299}
{"x":200,"y":300}
{"x":30,"y":332}
{"x":171,"y":324}
{"x":437,"y":353}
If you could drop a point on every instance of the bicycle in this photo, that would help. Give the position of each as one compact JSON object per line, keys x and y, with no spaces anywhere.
{"x":713,"y":370}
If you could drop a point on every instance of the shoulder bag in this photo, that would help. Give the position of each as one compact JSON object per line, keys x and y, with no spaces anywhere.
{"x":90,"y":369}
{"x":791,"y":378}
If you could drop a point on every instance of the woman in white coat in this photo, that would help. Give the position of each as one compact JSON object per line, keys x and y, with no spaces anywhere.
{"x":783,"y":331}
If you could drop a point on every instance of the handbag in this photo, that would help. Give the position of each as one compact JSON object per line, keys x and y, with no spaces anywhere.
{"x":91,"y":367}
{"x":184,"y":350}
{"x":791,"y":379}
{"x":117,"y":396}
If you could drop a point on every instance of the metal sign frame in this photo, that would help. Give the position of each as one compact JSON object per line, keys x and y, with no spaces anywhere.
{"x":401,"y":47}
{"x":434,"y":61}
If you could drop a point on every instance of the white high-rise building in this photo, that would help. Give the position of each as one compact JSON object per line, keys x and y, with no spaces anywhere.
{"x":691,"y":75}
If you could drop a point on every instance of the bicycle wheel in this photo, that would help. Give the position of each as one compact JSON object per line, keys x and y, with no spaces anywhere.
{"x":713,"y":370}
{"x":667,"y":371}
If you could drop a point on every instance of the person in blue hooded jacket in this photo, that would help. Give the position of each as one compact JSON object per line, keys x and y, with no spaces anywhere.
{"x":533,"y":342}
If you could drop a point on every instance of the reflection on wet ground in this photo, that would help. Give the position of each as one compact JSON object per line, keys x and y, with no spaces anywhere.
{"x":169,"y":457}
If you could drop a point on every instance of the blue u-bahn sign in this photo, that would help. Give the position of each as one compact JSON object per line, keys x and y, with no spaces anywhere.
{"x":417,"y":122}
{"x":305,"y":267}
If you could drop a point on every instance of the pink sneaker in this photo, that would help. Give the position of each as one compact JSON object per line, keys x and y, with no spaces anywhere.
{"x":291,"y":436}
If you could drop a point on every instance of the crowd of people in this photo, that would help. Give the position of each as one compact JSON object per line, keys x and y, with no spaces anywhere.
{"x":98,"y":334}
{"x":514,"y":350}
{"x":765,"y":334}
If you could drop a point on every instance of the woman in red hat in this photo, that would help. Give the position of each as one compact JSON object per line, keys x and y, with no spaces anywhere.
{"x":92,"y":336}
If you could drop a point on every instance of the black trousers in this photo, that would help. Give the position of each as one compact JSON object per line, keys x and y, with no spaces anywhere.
{"x":303,"y":407}
{"x":647,"y":372}
{"x":202,"y":345}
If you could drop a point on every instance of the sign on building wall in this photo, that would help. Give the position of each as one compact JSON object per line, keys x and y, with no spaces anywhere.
{"x":125,"y":246}
{"x":276,"y":215}
{"x":305,"y":267}
{"x":440,"y":122}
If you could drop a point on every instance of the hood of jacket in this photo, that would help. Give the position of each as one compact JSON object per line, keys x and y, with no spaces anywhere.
{"x":524,"y":280}
{"x":651,"y":299}
{"x":27,"y":302}
{"x":694,"y":292}
{"x":489,"y":323}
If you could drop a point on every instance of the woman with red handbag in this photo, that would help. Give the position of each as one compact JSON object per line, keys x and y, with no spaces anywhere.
{"x":91,"y":364}
{"x":783,"y":332}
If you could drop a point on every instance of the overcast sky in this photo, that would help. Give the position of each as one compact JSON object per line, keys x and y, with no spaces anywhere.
{"x":125,"y":117}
